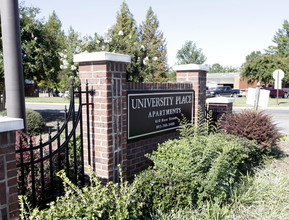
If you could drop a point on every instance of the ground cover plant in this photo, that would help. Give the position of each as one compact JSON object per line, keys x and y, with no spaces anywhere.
{"x":198,"y":167}
{"x":262,"y":196}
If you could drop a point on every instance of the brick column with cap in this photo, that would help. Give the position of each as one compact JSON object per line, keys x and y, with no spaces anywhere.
{"x":220,"y":107}
{"x":9,"y":207}
{"x":106,"y":73}
{"x":197,"y":75}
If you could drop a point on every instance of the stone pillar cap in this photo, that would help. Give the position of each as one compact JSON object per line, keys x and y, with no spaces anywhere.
{"x":191,"y":67}
{"x":101,"y":56}
{"x":220,"y":100}
{"x":10,"y":124}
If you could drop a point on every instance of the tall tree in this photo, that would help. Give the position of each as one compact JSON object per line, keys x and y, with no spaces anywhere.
{"x":155,"y":67}
{"x":39,"y":47}
{"x":253,"y":56}
{"x":262,"y":67}
{"x":189,"y":53}
{"x":281,"y":39}
{"x":216,"y":68}
{"x":68,"y":68}
{"x":54,"y":43}
{"x":123,"y":38}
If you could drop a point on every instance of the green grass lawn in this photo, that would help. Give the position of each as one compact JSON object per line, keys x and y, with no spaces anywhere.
{"x":49,"y":99}
{"x":241,"y":102}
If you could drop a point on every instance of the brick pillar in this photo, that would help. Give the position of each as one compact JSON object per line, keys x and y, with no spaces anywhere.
{"x":220,"y":106}
{"x":8,"y":172}
{"x":197,"y":75}
{"x":106,"y":73}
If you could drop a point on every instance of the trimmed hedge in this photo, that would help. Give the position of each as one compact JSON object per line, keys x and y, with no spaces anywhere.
{"x":35,"y":123}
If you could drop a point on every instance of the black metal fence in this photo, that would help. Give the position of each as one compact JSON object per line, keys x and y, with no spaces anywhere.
{"x":2,"y":99}
{"x":39,"y":162}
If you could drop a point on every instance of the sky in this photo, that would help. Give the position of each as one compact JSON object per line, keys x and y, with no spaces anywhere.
{"x":226,"y":30}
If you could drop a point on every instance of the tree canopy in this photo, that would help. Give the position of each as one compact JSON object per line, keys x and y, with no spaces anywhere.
{"x":189,"y":53}
{"x":123,"y":38}
{"x":281,"y":40}
{"x":260,"y":66}
{"x":153,"y":44}
{"x":41,"y":43}
{"x":47,"y":52}
{"x":217,"y":68}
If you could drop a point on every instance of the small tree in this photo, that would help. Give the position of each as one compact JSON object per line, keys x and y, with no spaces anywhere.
{"x":155,"y":67}
{"x":189,"y":53}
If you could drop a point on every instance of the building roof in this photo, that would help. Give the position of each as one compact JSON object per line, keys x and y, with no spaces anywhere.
{"x":234,"y":74}
{"x":218,"y":78}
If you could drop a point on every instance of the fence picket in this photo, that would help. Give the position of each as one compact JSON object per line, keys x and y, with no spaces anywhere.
{"x":47,"y":158}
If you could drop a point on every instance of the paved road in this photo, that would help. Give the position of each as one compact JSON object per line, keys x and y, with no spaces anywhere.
{"x":280,"y":117}
{"x":47,"y":106}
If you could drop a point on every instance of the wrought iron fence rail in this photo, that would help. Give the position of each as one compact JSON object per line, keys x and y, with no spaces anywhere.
{"x":64,"y":126}
{"x":41,"y":161}
{"x":41,"y":146}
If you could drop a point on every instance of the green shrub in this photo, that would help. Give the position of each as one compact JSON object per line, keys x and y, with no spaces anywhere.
{"x":189,"y":171}
{"x":262,"y":196}
{"x":35,"y":123}
{"x":97,"y":201}
{"x":253,"y":125}
{"x":200,"y":166}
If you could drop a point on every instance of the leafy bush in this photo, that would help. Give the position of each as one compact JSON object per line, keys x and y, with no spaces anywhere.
{"x":198,"y":167}
{"x":97,"y":201}
{"x":262,"y":196}
{"x":189,"y":171}
{"x":253,"y":125}
{"x":35,"y":123}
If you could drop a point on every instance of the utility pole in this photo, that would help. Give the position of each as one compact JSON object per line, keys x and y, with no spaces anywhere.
{"x":12,"y":55}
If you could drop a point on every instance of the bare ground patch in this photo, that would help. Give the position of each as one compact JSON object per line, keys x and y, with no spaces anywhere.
{"x":282,"y":163}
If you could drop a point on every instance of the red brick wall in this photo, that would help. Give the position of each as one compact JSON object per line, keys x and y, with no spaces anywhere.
{"x":8,"y":177}
{"x":243,"y":84}
{"x":198,"y":78}
{"x":220,"y":109}
{"x":136,"y":149}
{"x":107,"y":117}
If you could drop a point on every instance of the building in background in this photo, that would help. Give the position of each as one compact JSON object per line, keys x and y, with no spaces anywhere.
{"x":228,"y":79}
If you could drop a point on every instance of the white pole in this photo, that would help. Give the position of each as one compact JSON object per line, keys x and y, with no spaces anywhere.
{"x":12,"y":55}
